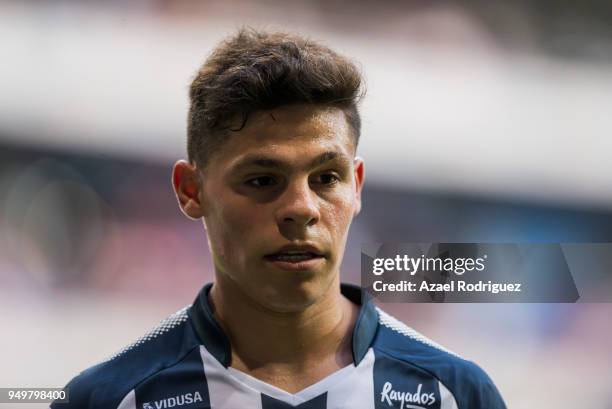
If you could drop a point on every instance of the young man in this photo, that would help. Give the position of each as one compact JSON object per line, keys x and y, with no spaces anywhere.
{"x":272,"y":173}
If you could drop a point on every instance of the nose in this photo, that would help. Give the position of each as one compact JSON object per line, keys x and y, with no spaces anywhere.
{"x":298,"y":206}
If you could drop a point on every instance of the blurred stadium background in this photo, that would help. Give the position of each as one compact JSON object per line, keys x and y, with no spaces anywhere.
{"x":484,"y":121}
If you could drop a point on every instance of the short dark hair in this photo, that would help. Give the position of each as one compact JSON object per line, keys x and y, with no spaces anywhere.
{"x":257,"y":70}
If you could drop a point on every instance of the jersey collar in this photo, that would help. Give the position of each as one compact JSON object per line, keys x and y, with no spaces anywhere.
{"x":216,"y":342}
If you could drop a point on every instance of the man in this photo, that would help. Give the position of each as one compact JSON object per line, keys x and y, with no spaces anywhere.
{"x":272,"y":173}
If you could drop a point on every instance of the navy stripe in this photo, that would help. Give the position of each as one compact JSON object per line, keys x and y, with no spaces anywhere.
{"x":401,"y":385}
{"x":268,"y":402}
{"x":210,"y":333}
{"x":182,"y":385}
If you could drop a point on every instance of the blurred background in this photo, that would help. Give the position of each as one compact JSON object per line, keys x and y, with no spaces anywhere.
{"x":484,"y":121}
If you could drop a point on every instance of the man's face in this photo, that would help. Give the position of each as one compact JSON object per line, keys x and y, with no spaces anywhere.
{"x":277,"y":201}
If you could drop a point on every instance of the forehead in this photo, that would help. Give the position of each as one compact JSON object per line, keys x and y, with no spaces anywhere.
{"x":294,"y":132}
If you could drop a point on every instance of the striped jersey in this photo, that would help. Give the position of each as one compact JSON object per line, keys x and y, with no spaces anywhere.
{"x":184,"y":363}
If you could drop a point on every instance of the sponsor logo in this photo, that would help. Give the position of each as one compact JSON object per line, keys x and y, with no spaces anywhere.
{"x":415,"y":400}
{"x":175,"y":401}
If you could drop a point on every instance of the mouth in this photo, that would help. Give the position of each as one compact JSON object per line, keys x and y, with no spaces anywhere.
{"x":296,"y":258}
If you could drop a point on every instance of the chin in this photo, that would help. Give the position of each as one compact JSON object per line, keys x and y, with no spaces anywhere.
{"x":294,"y":297}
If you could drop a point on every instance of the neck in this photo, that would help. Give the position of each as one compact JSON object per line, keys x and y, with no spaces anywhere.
{"x":285,"y":342}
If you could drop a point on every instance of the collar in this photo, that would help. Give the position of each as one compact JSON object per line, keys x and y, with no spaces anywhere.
{"x":217,"y":343}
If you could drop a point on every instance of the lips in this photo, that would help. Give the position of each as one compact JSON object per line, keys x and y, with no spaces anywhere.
{"x":296,"y":252}
{"x":292,"y":256}
{"x":296,"y":257}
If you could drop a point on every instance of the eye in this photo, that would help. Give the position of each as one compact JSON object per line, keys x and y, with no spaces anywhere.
{"x":327,"y":179}
{"x":261,"y":182}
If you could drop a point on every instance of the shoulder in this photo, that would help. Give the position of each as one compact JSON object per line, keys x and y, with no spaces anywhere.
{"x":108,"y":383}
{"x":403,"y":352}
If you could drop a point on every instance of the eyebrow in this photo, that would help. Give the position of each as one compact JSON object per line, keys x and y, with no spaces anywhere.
{"x":267,"y":162}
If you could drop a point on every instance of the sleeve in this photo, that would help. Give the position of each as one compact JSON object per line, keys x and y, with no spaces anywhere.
{"x":93,"y":388}
{"x":79,"y":391}
{"x":478,"y":391}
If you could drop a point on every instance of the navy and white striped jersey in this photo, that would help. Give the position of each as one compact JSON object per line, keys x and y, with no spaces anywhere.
{"x":184,"y":364}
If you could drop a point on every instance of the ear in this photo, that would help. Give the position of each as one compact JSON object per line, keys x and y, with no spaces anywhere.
{"x":359,"y":178}
{"x":186,"y":183}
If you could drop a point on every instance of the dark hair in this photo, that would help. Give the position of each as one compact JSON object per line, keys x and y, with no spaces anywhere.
{"x":257,"y":70}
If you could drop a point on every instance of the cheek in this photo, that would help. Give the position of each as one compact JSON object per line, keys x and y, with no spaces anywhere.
{"x":231,"y":227}
{"x":339,"y":212}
